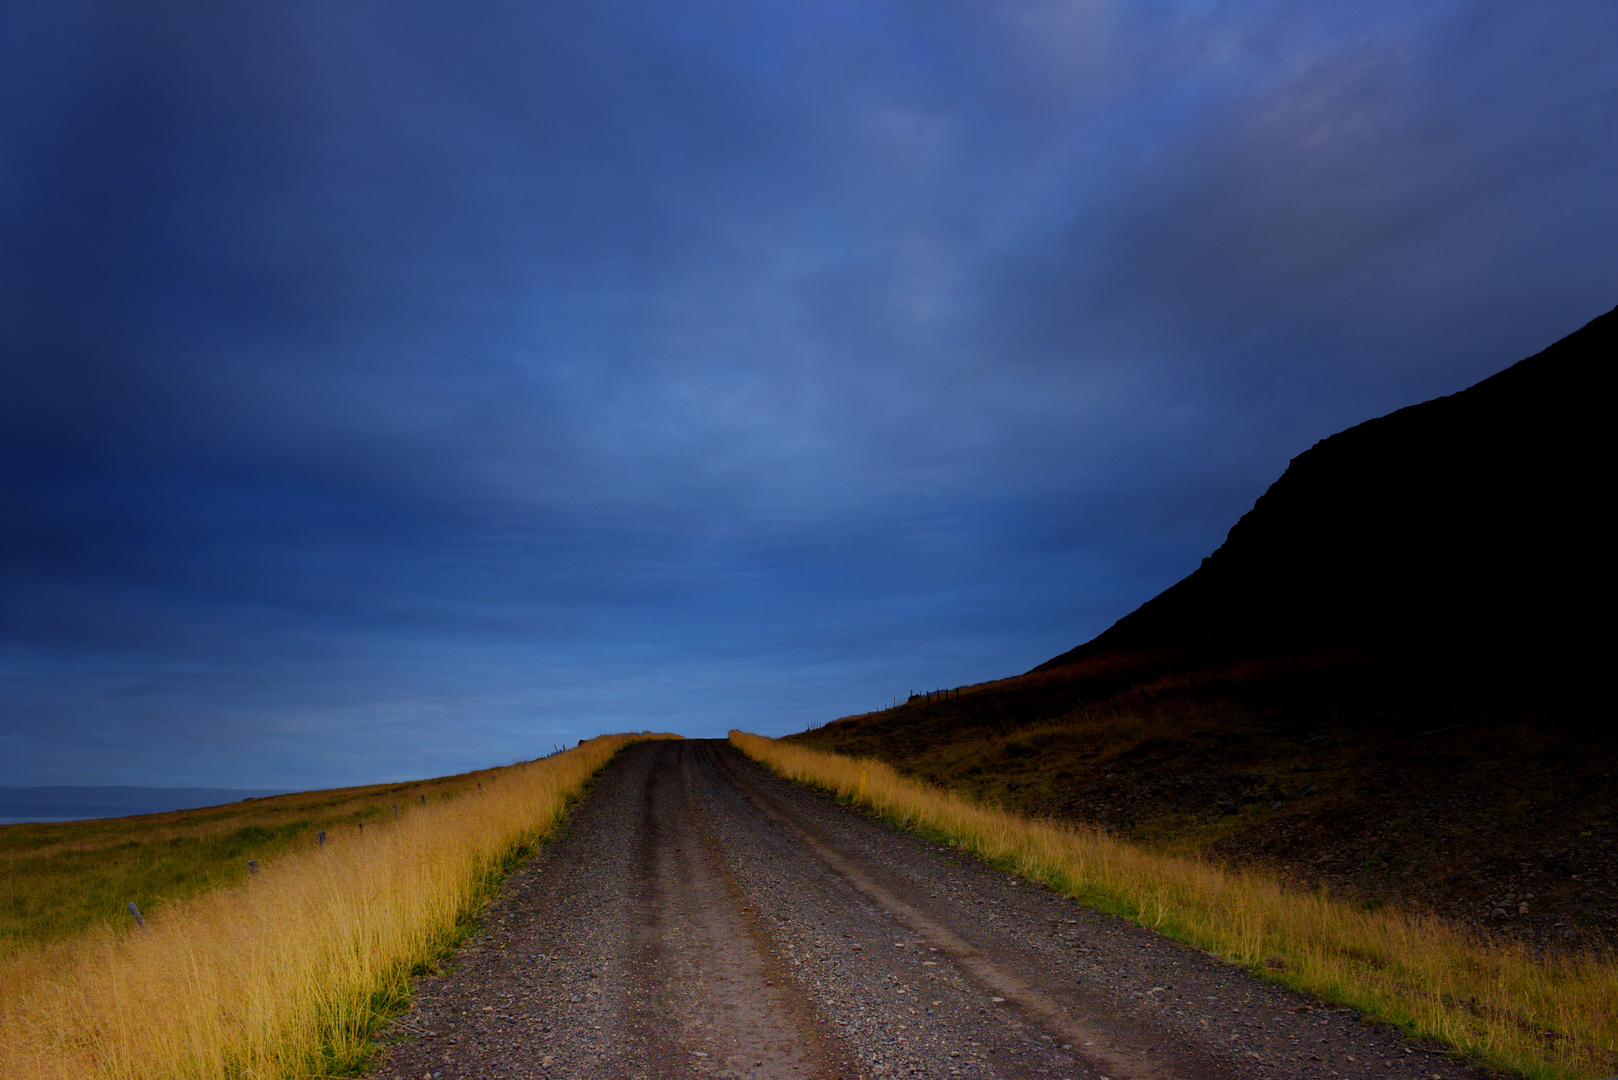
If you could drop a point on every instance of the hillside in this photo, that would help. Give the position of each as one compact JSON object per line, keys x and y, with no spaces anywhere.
{"x":1383,"y":681}
{"x":1464,"y":530}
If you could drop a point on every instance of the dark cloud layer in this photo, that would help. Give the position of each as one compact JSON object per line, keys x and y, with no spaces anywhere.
{"x":391,"y":389}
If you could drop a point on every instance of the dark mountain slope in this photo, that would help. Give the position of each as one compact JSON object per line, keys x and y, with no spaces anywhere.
{"x":1465,"y":528}
{"x":1388,"y":680}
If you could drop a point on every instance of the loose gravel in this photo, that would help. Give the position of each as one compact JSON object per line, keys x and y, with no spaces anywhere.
{"x":699,"y":917}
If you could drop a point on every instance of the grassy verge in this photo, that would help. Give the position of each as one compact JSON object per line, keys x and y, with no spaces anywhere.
{"x":287,"y":974}
{"x":59,"y":879}
{"x":1495,"y":1003}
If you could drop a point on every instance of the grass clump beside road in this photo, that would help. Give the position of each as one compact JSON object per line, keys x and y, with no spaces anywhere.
{"x":1496,"y":1003}
{"x":287,"y":974}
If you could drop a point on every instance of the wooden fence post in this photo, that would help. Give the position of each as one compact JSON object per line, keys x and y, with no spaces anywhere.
{"x":252,"y":864}
{"x":322,"y":835}
{"x":135,"y":912}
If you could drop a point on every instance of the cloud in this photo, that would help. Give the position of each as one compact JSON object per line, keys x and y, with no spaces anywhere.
{"x":423,"y":385}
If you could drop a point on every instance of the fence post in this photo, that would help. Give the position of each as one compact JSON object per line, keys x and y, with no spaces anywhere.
{"x":322,"y":835}
{"x":424,"y":800}
{"x":395,"y":811}
{"x":135,"y":911}
{"x":362,"y":828}
{"x":252,"y":864}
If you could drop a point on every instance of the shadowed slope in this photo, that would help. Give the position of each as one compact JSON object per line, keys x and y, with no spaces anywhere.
{"x":1464,"y":528}
{"x":1384,"y":681}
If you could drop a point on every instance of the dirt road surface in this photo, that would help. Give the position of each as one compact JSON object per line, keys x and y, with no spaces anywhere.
{"x":699,"y":917}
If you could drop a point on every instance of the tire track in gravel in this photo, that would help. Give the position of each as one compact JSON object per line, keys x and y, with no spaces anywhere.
{"x":713,"y":965}
{"x":697,"y":916}
{"x":1133,"y":1056}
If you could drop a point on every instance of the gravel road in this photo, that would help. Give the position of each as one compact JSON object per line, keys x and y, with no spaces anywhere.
{"x":699,"y":917}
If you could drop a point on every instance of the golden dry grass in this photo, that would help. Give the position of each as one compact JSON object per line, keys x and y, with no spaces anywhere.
{"x":1556,"y":1019}
{"x":287,"y":974}
{"x":58,"y":879}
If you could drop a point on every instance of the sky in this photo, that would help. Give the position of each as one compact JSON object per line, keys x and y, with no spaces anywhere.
{"x":393,"y":389}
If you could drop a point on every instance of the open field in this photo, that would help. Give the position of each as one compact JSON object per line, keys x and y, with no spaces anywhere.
{"x":58,"y":879}
{"x":1493,"y":1001}
{"x":702,"y":908}
{"x":288,"y":973}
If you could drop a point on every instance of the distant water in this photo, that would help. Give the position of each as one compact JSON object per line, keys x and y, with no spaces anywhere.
{"x":65,"y":803}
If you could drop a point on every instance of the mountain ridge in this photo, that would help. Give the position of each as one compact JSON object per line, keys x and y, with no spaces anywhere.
{"x":1408,"y":513}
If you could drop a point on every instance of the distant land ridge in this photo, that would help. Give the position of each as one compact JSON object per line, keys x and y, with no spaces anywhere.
{"x":66,"y":801}
{"x":1466,"y":528}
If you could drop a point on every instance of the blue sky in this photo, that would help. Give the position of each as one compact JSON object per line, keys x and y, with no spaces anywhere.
{"x":392,"y":389}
